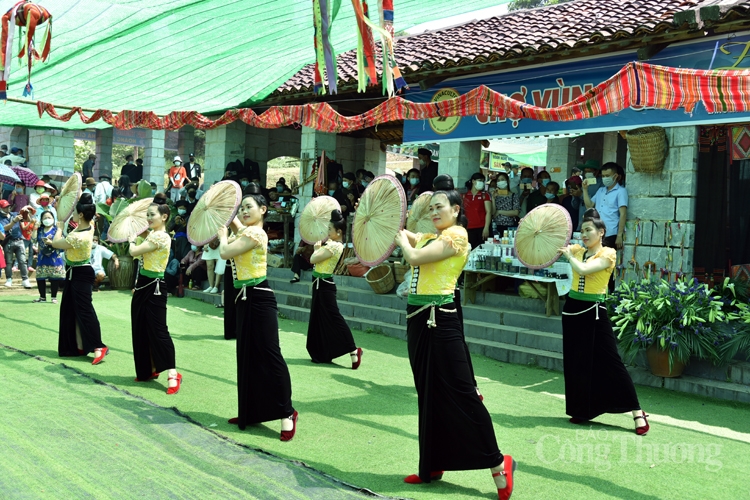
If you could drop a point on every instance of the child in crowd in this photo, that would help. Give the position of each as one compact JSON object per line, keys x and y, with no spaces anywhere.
{"x":215,"y":266}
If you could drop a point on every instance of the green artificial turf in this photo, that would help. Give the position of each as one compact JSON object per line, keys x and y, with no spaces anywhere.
{"x":361,"y":426}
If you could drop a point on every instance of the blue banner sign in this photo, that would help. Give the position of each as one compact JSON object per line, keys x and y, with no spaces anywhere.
{"x":551,"y":85}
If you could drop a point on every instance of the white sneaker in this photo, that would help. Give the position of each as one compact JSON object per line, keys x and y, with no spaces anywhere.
{"x":9,"y":282}
{"x":208,"y":290}
{"x":26,"y":284}
{"x":214,"y":290}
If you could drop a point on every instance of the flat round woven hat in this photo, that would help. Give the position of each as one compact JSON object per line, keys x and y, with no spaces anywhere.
{"x":129,"y":221}
{"x":379,"y":217}
{"x":69,"y":196}
{"x":419,"y":220}
{"x":216,"y":208}
{"x":313,"y":222}
{"x":541,"y":233}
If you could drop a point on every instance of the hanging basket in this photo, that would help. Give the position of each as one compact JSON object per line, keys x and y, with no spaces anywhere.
{"x":648,"y":149}
{"x":380,"y":278}
{"x":399,"y":270}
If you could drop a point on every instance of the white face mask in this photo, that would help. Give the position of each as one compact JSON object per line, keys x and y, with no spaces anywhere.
{"x":502,"y":184}
{"x":608,"y":181}
{"x":480,"y":185}
{"x":346,"y":185}
{"x":48,"y":222}
{"x":589,"y":175}
{"x":421,"y":163}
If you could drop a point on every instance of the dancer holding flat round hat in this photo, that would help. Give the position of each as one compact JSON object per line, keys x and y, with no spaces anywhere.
{"x":153,"y":349}
{"x":455,"y":428}
{"x":328,"y":335}
{"x":264,"y":388}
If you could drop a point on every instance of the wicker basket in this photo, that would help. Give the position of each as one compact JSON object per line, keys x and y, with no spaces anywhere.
{"x":399,"y":270}
{"x":648,"y":149}
{"x":380,"y":278}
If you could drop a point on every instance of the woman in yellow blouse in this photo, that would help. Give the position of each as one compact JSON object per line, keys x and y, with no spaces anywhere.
{"x":455,"y":428}
{"x":328,"y":335}
{"x":596,"y":380}
{"x":153,"y":349}
{"x":80,"y":332}
{"x":264,"y":388}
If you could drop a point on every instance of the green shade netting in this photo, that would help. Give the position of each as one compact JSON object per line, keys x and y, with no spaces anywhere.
{"x":184,"y":55}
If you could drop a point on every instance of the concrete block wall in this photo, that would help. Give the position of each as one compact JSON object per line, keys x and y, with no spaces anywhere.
{"x":460,"y":160}
{"x":50,"y":149}
{"x":312,"y":143}
{"x":153,"y":159}
{"x":665,"y":205}
{"x":223,"y":144}
{"x":103,"y":165}
{"x":562,"y":154}
{"x":15,"y":137}
{"x":284,"y":142}
{"x":349,"y":152}
{"x":256,"y":148}
{"x":186,"y":142}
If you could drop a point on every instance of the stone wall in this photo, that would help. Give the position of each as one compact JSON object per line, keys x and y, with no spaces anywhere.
{"x":50,"y":149}
{"x":665,"y":205}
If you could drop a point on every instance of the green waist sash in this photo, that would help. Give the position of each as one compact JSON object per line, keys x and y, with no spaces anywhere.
{"x":251,"y":282}
{"x":324,"y":276}
{"x":588,"y":297}
{"x":151,"y":274}
{"x":424,"y":300}
{"x":73,"y":263}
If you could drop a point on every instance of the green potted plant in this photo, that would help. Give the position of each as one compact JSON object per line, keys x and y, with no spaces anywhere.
{"x":735,"y":295}
{"x":672,"y":322}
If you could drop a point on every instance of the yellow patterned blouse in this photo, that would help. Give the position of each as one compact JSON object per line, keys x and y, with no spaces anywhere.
{"x":595,"y":284}
{"x":251,"y":266}
{"x":81,"y":241}
{"x":327,"y":266}
{"x":155,"y":262}
{"x":436,"y":281}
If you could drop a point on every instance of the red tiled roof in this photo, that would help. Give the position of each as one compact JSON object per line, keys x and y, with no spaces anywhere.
{"x":517,"y":34}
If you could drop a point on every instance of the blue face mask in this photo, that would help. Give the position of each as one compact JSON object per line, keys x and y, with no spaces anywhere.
{"x":153,"y":192}
{"x":365,"y":183}
{"x":279,"y":189}
{"x":346,"y":184}
{"x":545,"y":182}
{"x":19,"y":190}
{"x":549,"y":196}
{"x":181,"y":211}
{"x":193,"y":248}
{"x":414,"y":181}
{"x":527,"y":180}
{"x":331,"y":191}
{"x":245,"y":183}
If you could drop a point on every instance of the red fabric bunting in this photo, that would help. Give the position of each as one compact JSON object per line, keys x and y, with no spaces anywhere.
{"x":637,"y":85}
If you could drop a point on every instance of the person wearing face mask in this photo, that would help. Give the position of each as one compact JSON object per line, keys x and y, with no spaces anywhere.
{"x":193,"y":169}
{"x":574,"y":203}
{"x":103,"y":190}
{"x":38,"y":191}
{"x":347,"y":186}
{"x":192,"y":199}
{"x":153,"y":189}
{"x":90,"y":184}
{"x":194,"y":267}
{"x":611,"y":201}
{"x":13,"y":244}
{"x":98,"y":253}
{"x":45,"y":206}
{"x":553,"y":188}
{"x":281,"y":185}
{"x":50,"y":262}
{"x":413,"y":187}
{"x":347,"y":207}
{"x":592,"y":171}
{"x":367,"y":178}
{"x":505,"y":205}
{"x":177,"y":178}
{"x":428,"y":169}
{"x":478,"y":207}
{"x":179,"y":226}
{"x":19,"y":198}
{"x":358,"y":187}
{"x":537,"y":197}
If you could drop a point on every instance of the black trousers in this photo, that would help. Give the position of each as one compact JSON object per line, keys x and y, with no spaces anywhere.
{"x":299,"y":264}
{"x":77,"y":313}
{"x":610,"y":242}
{"x":230,"y":294}
{"x":42,"y":286}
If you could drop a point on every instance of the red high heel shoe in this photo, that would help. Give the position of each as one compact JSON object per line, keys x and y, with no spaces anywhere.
{"x":414,"y":478}
{"x":152,"y":377}
{"x":359,"y":359}
{"x":481,"y":398}
{"x":641,"y":431}
{"x":102,"y":352}
{"x":509,"y":468}
{"x":288,"y":435}
{"x":175,"y":389}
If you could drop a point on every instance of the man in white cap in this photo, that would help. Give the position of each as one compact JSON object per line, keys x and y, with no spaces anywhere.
{"x":103,"y":189}
{"x":177,"y":178}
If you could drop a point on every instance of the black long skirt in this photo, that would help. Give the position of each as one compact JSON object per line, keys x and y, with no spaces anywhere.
{"x":230,"y":294}
{"x":77,"y":310}
{"x":153,"y":349}
{"x":460,"y":314}
{"x":596,"y":380}
{"x":264,"y":388}
{"x":455,"y":428}
{"x":328,"y":335}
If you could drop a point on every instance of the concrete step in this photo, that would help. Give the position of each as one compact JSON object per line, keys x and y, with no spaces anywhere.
{"x":511,"y":302}
{"x":533,"y":321}
{"x":282,"y":274}
{"x":515,"y":354}
{"x":211,"y":298}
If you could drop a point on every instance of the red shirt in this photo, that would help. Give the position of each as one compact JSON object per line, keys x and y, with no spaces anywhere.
{"x":474,"y":208}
